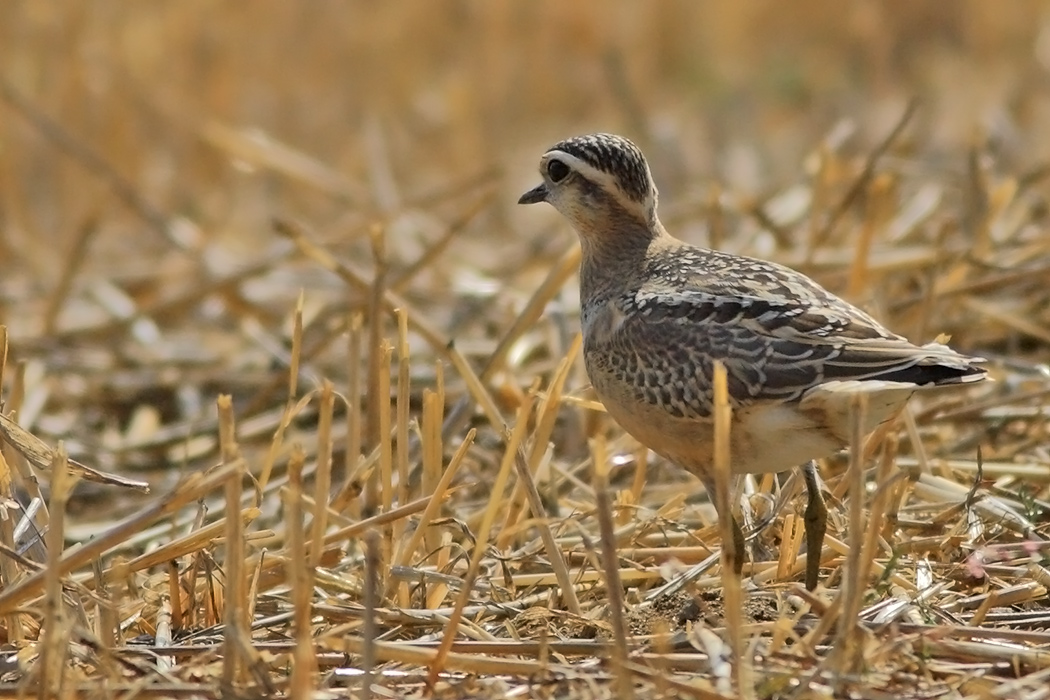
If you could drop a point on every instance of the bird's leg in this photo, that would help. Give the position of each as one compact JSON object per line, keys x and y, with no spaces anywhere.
{"x":738,"y":545}
{"x":737,"y":554}
{"x":816,"y":523}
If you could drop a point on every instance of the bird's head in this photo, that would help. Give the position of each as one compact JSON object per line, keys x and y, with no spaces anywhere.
{"x":600,"y":182}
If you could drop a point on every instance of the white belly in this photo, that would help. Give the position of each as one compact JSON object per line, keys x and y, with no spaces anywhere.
{"x":764,"y":437}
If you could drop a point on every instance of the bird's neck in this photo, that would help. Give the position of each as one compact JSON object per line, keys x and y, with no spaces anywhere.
{"x":614,"y":256}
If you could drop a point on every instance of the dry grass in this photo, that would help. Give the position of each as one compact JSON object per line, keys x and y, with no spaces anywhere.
{"x":263,"y":258}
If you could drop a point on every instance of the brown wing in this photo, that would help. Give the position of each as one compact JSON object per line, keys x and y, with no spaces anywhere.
{"x":773,"y":350}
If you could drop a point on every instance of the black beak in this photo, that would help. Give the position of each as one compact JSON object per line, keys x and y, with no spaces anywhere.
{"x":536,"y":194}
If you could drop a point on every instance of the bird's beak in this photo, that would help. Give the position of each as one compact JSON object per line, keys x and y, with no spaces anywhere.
{"x":536,"y":194}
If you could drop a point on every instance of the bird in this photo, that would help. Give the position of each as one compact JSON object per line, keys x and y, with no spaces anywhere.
{"x":657,"y":313}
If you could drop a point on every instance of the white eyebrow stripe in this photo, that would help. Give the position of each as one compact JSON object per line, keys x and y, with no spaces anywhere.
{"x":604,"y":179}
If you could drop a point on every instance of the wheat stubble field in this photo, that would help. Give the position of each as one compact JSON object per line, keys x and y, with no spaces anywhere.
{"x":292,"y":402}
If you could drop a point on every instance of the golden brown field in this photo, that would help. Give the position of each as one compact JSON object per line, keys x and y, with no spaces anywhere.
{"x":266,"y":257}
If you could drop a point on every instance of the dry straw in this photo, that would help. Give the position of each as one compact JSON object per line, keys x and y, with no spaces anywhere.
{"x":385,"y":488}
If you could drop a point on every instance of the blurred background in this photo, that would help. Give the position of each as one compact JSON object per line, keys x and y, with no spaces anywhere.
{"x":146,"y":147}
{"x":408,"y":98}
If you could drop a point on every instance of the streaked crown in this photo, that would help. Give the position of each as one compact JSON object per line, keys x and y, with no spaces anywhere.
{"x":600,"y":183}
{"x":615,"y":156}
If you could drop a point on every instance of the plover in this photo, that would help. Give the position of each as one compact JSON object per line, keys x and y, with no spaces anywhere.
{"x":657,"y":312}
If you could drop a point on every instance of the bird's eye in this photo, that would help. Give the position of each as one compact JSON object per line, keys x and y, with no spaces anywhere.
{"x":557,"y":170}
